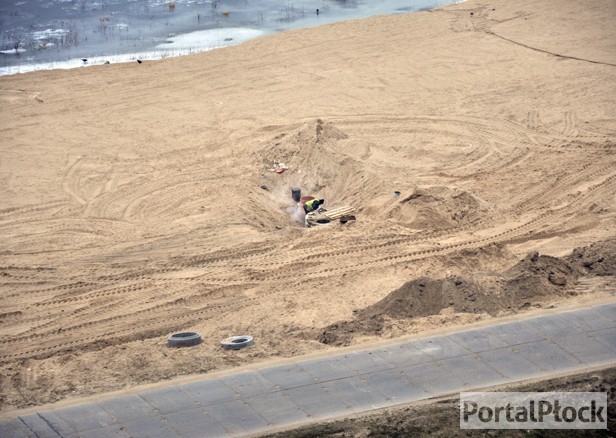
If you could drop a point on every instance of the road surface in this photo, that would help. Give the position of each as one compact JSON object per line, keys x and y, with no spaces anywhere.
{"x":254,"y":401}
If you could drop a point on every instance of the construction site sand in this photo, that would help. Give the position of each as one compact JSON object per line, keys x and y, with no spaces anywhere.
{"x":132,"y":204}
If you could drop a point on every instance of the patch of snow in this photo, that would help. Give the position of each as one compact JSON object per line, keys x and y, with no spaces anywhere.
{"x":202,"y":40}
{"x":13,"y":51}
{"x":50,"y":33}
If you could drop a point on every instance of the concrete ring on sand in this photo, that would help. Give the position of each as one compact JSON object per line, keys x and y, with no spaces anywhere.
{"x":237,"y":342}
{"x":184,"y":339}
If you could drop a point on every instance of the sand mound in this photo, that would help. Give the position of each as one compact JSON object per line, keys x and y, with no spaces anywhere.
{"x":427,"y":296}
{"x":598,"y":258}
{"x":438,"y":208}
{"x":301,"y":147}
{"x":316,"y":165}
{"x":263,"y":202}
{"x":532,"y":280}
{"x":417,"y":298}
{"x":537,"y":276}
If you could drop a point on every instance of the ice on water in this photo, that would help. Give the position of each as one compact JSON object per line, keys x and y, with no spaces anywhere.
{"x":48,"y":34}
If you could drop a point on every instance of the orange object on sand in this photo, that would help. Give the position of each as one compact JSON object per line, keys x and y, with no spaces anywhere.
{"x":280,"y":169}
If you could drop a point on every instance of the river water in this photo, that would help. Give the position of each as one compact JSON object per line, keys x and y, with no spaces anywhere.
{"x":47,"y":34}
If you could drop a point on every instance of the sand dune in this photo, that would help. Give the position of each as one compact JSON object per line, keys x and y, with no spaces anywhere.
{"x":132,"y":204}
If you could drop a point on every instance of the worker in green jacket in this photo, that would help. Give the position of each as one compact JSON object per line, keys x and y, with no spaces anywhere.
{"x":313,"y":205}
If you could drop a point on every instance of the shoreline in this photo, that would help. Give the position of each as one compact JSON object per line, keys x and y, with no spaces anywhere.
{"x":232,"y":37}
{"x":198,"y":41}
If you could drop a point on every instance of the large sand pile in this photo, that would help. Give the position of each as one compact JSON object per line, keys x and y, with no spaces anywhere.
{"x":436,"y":208}
{"x":314,"y":153}
{"x":535,"y":279}
{"x":132,"y":204}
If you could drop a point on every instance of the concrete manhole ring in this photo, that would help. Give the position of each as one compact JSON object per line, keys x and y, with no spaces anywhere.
{"x":237,"y":342}
{"x":184,"y":339}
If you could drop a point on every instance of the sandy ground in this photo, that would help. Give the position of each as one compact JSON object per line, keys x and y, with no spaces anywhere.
{"x":131,"y":205}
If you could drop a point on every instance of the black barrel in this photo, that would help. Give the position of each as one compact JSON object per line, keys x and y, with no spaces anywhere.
{"x":296,"y":194}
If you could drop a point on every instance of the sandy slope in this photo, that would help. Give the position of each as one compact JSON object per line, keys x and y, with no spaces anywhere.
{"x":131,"y":203}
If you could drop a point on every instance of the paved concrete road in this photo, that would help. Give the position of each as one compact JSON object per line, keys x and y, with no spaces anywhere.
{"x":317,"y":389}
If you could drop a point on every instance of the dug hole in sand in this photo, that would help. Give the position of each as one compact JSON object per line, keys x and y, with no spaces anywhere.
{"x":315,"y":167}
{"x":132,"y":205}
